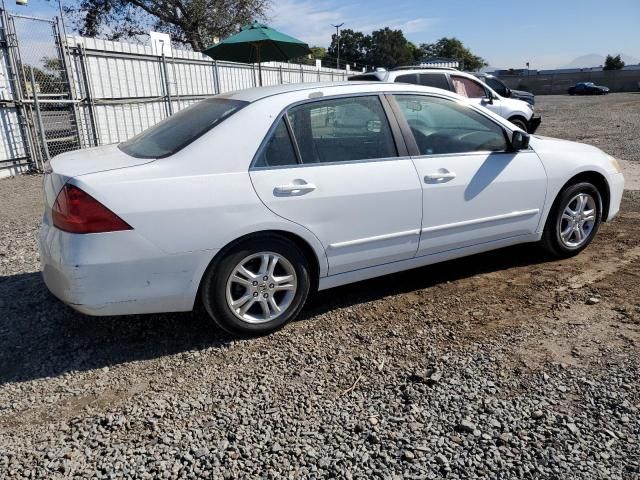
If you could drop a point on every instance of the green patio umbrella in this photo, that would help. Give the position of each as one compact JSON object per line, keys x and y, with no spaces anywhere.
{"x":257,"y":43}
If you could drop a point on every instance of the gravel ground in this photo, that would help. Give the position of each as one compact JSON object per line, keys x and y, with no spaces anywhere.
{"x":502,"y":365}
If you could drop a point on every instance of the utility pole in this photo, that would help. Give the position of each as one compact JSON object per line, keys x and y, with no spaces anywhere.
{"x":338,"y":43}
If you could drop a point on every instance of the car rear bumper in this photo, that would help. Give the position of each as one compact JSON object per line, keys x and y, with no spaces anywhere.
{"x":534,"y":123}
{"x":118,"y":273}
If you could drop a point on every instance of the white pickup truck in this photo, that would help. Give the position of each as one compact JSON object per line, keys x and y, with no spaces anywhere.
{"x":518,"y":112}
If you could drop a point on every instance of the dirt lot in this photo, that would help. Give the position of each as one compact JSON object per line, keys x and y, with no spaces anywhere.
{"x":503,"y":365}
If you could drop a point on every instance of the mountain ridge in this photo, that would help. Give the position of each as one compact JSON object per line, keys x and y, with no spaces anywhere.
{"x":596,"y":60}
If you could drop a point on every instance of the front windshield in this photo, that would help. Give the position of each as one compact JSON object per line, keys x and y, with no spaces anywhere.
{"x":179,"y":130}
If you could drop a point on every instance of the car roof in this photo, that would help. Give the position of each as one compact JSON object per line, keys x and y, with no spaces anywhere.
{"x":328,"y":88}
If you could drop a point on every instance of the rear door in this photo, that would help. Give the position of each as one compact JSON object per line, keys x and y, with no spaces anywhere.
{"x":339,"y":168}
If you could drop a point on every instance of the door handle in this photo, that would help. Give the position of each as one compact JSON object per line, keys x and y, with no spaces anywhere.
{"x":294,"y":188}
{"x":442,"y":175}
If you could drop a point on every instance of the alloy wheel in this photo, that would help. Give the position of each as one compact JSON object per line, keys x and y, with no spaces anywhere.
{"x":261,"y":287}
{"x":577,"y":221}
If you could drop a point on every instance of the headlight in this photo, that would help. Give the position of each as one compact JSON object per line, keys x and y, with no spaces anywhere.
{"x":615,"y":163}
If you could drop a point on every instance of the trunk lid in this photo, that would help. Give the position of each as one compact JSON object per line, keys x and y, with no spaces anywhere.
{"x":92,"y":160}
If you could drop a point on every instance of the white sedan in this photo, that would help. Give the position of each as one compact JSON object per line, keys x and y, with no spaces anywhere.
{"x":250,"y":200}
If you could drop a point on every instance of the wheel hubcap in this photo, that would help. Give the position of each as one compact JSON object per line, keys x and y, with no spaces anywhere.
{"x":261,"y":287}
{"x":577,"y":220}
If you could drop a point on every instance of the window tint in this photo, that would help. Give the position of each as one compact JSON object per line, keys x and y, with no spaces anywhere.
{"x":179,"y":130}
{"x":467,"y":87}
{"x":358,"y":78}
{"x":498,"y":86}
{"x":443,"y":126}
{"x":279,"y":149}
{"x":342,"y":130}
{"x":437,"y":80}
{"x":408,"y":78}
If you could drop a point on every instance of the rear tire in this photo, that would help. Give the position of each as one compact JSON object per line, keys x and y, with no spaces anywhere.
{"x":573,"y":220}
{"x":257,"y":286}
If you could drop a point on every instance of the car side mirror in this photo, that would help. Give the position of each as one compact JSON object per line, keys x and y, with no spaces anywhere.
{"x":519,"y":140}
{"x":488,"y":99}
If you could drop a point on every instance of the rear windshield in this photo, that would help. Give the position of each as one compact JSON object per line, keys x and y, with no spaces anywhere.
{"x":179,"y":130}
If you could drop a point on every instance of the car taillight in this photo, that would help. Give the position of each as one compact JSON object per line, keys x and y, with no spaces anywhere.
{"x":76,"y":211}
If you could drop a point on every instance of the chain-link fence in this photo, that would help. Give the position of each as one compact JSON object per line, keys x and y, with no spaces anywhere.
{"x":62,"y":93}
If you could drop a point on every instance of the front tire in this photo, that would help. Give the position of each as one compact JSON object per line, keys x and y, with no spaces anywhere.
{"x":573,"y":221}
{"x":257,"y":286}
{"x":521,"y":124}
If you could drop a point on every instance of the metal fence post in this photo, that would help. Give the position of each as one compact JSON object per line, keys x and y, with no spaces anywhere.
{"x":63,"y":51}
{"x":36,"y":106}
{"x":216,"y":77}
{"x":301,"y":74}
{"x":253,"y":74}
{"x":11,"y":45}
{"x":280,"y":74}
{"x":82,"y":56}
{"x":167,"y":87}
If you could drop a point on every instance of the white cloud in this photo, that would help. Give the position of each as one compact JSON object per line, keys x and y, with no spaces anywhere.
{"x":311,"y":21}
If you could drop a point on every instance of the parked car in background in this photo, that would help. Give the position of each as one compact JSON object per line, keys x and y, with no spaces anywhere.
{"x":249,"y":200}
{"x":516,"y":111}
{"x":588,"y":88}
{"x":501,"y":88}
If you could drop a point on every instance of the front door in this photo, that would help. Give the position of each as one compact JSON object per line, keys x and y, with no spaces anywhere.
{"x":332,"y":166}
{"x":474,"y":189}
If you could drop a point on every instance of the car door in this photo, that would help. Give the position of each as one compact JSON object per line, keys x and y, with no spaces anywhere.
{"x":477,"y":93}
{"x":475,"y":189}
{"x":333,"y":166}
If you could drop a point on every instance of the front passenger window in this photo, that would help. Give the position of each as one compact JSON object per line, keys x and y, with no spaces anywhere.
{"x":442,"y":126}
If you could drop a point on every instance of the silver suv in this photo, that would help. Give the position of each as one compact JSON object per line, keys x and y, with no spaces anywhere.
{"x":518,"y":112}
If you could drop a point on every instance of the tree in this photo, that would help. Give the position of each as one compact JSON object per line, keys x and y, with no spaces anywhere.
{"x":416,"y":52}
{"x":389,"y":48}
{"x":613,"y":63}
{"x":353,"y":47}
{"x":191,"y":22}
{"x":453,"y":48}
{"x":317,"y":53}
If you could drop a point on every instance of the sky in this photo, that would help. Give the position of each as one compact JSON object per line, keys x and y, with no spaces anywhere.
{"x":546,"y":33}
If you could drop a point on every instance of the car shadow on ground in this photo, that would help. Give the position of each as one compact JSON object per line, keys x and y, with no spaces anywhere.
{"x":41,"y":337}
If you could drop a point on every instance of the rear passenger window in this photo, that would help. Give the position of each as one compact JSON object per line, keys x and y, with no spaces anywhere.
{"x":279,"y":149}
{"x":436,"y":80}
{"x":342,"y":130}
{"x":409,"y":78}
